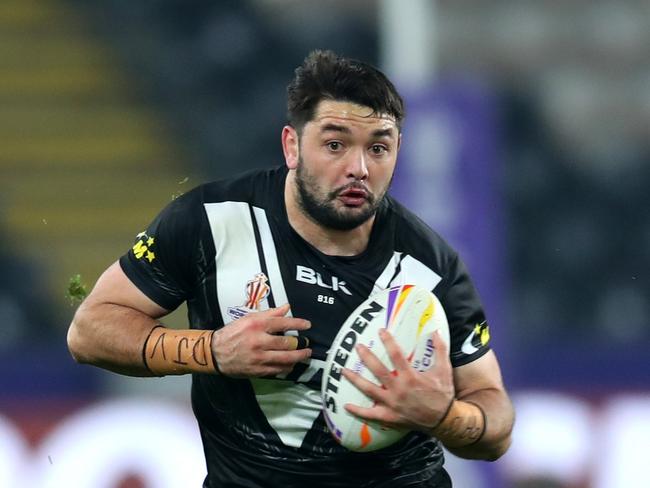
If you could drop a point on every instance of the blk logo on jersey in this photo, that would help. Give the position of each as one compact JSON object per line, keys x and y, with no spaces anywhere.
{"x":257,"y":290}
{"x":311,"y":277}
{"x":143,"y":247}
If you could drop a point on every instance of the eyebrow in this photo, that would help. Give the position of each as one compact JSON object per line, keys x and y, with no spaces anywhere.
{"x":335,"y":128}
{"x":382,"y":133}
{"x":341,"y":128}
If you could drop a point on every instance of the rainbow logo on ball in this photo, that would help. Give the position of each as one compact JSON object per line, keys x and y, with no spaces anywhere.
{"x":396,"y":297}
{"x":411,"y":313}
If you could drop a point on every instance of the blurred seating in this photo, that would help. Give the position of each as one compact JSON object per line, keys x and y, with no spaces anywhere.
{"x":573,"y":78}
{"x":221,"y":68}
{"x":86,"y":161}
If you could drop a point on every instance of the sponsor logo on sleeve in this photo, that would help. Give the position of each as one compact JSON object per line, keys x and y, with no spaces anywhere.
{"x":143,"y":247}
{"x":478,"y":338}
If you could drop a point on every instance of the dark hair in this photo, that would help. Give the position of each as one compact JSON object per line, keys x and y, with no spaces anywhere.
{"x":324,"y":75}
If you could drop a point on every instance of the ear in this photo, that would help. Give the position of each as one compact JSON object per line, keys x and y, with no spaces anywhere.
{"x":399,"y":141}
{"x":290,"y":146}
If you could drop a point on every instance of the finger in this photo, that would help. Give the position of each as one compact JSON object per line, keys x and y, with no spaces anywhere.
{"x":280,"y":311}
{"x":440,"y":355}
{"x":394,"y":351}
{"x":376,"y":367}
{"x":283,"y":324}
{"x":439,"y":343}
{"x":376,"y":413}
{"x":297,"y":342}
{"x":365,"y":386}
{"x":284,"y":358}
{"x":286,"y":343}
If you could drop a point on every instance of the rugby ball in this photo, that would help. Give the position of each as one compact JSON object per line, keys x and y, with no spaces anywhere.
{"x":411,"y":314}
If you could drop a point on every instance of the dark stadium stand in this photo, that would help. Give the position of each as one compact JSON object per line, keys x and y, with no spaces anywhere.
{"x":85,"y":162}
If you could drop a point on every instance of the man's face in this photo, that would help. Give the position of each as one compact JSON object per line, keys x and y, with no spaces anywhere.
{"x":346,"y":162}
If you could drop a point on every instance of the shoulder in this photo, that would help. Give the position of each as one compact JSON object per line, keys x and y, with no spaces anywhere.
{"x":257,"y":187}
{"x":187,"y":213}
{"x":416,"y":238}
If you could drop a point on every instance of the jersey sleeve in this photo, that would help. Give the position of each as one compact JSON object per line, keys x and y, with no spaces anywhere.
{"x":161,"y":262}
{"x":468,"y":328}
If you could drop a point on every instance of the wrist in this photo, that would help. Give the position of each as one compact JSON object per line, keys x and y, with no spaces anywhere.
{"x":463,"y":424}
{"x":444,"y":415}
{"x":174,"y":352}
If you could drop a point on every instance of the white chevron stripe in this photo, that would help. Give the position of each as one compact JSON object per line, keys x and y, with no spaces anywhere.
{"x":290,"y":408}
{"x":237,"y":260}
{"x":414,"y":272}
{"x":271,"y":258}
{"x":382,"y":281}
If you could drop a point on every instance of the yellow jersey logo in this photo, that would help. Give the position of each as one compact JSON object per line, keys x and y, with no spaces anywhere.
{"x":479,"y":337}
{"x":143,"y":247}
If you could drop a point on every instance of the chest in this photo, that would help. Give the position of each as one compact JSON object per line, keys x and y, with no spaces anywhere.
{"x":260,"y":263}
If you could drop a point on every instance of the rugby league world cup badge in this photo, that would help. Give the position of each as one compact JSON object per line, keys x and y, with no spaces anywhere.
{"x":257,"y":290}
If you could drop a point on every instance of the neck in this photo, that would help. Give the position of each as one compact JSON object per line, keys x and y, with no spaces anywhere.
{"x":328,"y":241}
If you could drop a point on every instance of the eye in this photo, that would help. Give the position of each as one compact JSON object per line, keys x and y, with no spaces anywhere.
{"x":378,"y":149}
{"x":334,"y":145}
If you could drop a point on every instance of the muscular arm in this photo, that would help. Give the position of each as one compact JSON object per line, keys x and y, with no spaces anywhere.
{"x":111,"y":326}
{"x":480,"y":383}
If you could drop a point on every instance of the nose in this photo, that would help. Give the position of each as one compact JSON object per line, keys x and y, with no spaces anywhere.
{"x":357,"y":165}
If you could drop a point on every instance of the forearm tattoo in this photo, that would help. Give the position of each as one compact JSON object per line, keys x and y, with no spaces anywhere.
{"x":173,"y":352}
{"x":463,"y":424}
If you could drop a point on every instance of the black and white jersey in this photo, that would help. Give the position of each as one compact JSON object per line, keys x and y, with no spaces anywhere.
{"x":227,"y":249}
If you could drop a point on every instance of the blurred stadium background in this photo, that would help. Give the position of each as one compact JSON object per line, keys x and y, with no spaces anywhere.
{"x":527,"y":145}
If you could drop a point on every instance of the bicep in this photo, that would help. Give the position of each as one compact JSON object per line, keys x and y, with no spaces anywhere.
{"x":482,"y":373}
{"x":114,"y":287}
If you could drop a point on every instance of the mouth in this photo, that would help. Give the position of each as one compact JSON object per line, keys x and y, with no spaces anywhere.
{"x":353,"y":197}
